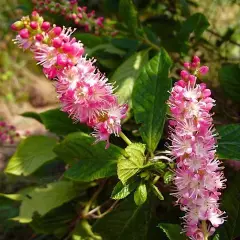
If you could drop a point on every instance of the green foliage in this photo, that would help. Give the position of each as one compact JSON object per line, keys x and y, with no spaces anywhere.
{"x":140,"y":195}
{"x":123,"y":220}
{"x":31,"y":154}
{"x":150,"y":94}
{"x":157,"y":192}
{"x":229,"y":142}
{"x":231,"y":204}
{"x":121,"y":191}
{"x":127,"y":74}
{"x":89,"y":162}
{"x":129,"y":15}
{"x":229,"y":79}
{"x":131,"y":164}
{"x":173,"y":231}
{"x":42,"y":200}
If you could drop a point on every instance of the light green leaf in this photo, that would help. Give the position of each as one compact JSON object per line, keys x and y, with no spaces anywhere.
{"x":121,"y":191}
{"x":19,"y":196}
{"x":168,"y":177}
{"x":59,"y":122}
{"x":150,"y":94}
{"x":229,"y":142}
{"x":157,"y":192}
{"x":173,"y":231}
{"x":128,"y":166}
{"x":129,"y":15}
{"x":42,"y":200}
{"x":140,"y":195}
{"x":229,"y":79}
{"x":31,"y":154}
{"x":126,"y":74}
{"x":83,"y":231}
{"x":89,"y":161}
{"x":126,"y":222}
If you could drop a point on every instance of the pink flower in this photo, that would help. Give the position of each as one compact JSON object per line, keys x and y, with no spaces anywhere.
{"x":84,"y":92}
{"x":198,"y":177}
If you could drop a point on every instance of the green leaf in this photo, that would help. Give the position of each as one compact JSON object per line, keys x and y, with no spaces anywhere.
{"x":126,"y":222}
{"x":126,"y":74}
{"x":31,"y":153}
{"x":121,"y":191}
{"x":216,"y":237}
{"x":18,"y":196}
{"x":58,"y":122}
{"x":89,"y":40}
{"x":140,"y":195}
{"x":229,"y":142}
{"x":56,"y":222}
{"x":89,"y":161}
{"x":128,"y":166}
{"x":168,"y":177}
{"x":107,"y":47}
{"x":83,"y":231}
{"x":150,"y":94}
{"x":231,"y":205}
{"x":42,"y":200}
{"x":173,"y":231}
{"x":197,"y":24}
{"x":129,"y":15}
{"x":33,"y":115}
{"x":157,"y":192}
{"x":229,"y":79}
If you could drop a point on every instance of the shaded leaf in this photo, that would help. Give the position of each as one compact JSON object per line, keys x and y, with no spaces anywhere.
{"x":127,"y":221}
{"x":129,"y":15}
{"x":89,"y":162}
{"x":157,"y":192}
{"x":127,"y":73}
{"x":173,"y":231}
{"x":33,"y":115}
{"x":31,"y":153}
{"x":229,"y":79}
{"x":229,"y":142}
{"x":150,"y":94}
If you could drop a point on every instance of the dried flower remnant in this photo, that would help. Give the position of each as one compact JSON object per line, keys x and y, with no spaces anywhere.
{"x":198,"y":176}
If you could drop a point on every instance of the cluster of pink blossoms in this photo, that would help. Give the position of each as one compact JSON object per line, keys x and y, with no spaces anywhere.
{"x":83,"y":91}
{"x":8,"y":133}
{"x":198,"y":176}
{"x":71,"y":11}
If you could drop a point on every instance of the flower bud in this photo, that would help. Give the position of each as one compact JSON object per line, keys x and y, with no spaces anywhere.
{"x":34,"y":25}
{"x":45,"y":26}
{"x":39,"y":37}
{"x":24,"y":33}
{"x":203,"y":70}
{"x":57,"y":42}
{"x":57,"y":31}
{"x":17,"y":26}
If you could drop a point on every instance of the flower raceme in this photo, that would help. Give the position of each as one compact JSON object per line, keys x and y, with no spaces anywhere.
{"x":84,"y":92}
{"x":198,"y":176}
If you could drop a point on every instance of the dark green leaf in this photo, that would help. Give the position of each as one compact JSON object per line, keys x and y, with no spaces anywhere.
{"x":89,"y":40}
{"x":127,"y":73}
{"x":128,"y":166}
{"x":157,"y":192}
{"x":58,"y":122}
{"x":89,"y":161}
{"x":42,"y":200}
{"x":129,"y":14}
{"x":173,"y":231}
{"x":229,"y":142}
{"x":231,"y":205}
{"x":229,"y":79}
{"x":127,"y":222}
{"x":121,"y":191}
{"x":31,"y":153}
{"x":197,"y":24}
{"x":140,"y":195}
{"x":150,"y":94}
{"x":33,"y":115}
